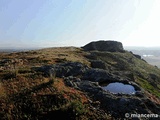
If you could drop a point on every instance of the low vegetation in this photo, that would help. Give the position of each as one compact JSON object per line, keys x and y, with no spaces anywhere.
{"x":27,"y":94}
{"x":144,"y":74}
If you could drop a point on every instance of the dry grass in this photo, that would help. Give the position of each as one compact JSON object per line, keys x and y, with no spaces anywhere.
{"x":25,"y":78}
{"x":2,"y":91}
{"x":46,"y":56}
{"x":64,"y":54}
{"x":68,"y":92}
{"x":26,"y":91}
{"x":40,"y":96}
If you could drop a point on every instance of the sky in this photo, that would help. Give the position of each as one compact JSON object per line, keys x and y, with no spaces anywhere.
{"x":54,"y":23}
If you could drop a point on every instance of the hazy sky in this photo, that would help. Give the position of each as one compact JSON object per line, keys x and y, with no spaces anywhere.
{"x":50,"y":23}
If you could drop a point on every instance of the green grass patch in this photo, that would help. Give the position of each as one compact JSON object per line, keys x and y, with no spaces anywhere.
{"x":147,"y":86}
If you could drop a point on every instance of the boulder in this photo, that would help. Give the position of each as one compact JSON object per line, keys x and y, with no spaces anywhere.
{"x":111,"y":46}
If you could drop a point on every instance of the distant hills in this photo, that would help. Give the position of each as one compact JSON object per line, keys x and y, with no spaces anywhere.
{"x":150,"y":54}
{"x":16,"y":49}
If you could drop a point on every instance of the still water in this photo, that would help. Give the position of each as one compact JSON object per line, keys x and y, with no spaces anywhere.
{"x":118,"y":87}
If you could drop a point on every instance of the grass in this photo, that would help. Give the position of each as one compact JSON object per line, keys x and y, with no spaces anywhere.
{"x":147,"y":86}
{"x":141,"y":70}
{"x":2,"y":91}
{"x":27,"y":94}
{"x":38,"y":100}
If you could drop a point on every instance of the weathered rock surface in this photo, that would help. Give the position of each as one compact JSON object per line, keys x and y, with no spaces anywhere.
{"x":88,"y":80}
{"x":109,"y":63}
{"x":111,"y":46}
{"x":98,"y":64}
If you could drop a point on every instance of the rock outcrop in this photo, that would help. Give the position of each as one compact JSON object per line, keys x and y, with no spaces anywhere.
{"x":87,"y":79}
{"x":111,"y":46}
{"x":109,"y":65}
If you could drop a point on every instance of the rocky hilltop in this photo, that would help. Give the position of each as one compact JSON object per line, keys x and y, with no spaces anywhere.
{"x":111,"y":46}
{"x":71,"y":81}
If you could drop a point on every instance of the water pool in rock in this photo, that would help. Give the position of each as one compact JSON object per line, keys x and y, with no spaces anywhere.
{"x":118,"y":87}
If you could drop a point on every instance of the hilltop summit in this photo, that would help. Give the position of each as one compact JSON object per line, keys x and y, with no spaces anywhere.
{"x":103,"y":45}
{"x":72,"y":83}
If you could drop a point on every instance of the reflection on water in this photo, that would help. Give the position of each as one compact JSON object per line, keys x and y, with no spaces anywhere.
{"x":118,"y":87}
